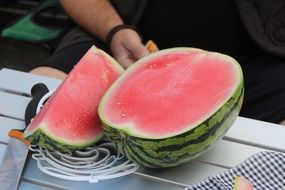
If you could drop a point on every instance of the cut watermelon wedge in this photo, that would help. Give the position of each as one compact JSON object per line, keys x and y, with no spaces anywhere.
{"x":69,"y":118}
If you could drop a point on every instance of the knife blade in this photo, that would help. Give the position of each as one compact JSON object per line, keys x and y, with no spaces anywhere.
{"x":13,"y":164}
{"x":18,"y":148}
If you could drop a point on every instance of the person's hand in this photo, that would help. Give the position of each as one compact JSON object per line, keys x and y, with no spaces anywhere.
{"x":126,"y":47}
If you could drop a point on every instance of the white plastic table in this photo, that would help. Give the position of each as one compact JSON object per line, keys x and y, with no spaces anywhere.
{"x":245,"y":138}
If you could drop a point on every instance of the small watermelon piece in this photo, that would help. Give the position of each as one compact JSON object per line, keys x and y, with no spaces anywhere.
{"x":171,"y":106}
{"x":242,"y":183}
{"x":69,"y":119}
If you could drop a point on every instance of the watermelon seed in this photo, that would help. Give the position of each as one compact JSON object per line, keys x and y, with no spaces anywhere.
{"x":149,"y":66}
{"x":152,"y":66}
{"x":124,"y":114}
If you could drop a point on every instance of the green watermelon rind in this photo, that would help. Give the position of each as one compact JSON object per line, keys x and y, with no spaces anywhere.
{"x":128,"y":129}
{"x":45,"y":140}
{"x":173,"y":151}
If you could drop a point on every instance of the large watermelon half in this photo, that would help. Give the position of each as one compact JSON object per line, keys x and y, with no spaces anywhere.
{"x":171,"y":106}
{"x":69,"y":119}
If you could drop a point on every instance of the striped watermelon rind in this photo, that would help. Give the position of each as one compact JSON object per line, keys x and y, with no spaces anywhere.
{"x":173,"y":151}
{"x":42,"y":139}
{"x":178,"y":148}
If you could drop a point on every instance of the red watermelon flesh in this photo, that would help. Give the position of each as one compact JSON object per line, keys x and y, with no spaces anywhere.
{"x":170,"y":93}
{"x":69,"y":119}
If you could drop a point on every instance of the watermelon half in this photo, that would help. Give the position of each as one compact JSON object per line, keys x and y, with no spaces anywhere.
{"x":69,"y":119}
{"x":171,"y":106}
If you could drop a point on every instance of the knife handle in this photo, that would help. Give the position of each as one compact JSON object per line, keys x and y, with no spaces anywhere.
{"x":18,"y":135}
{"x":151,"y":46}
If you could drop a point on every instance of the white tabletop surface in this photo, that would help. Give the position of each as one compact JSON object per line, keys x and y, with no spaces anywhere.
{"x":245,"y":138}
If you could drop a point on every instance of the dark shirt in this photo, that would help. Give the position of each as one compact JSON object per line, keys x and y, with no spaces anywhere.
{"x":207,"y":24}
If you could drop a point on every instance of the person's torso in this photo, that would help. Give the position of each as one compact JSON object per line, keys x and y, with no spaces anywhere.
{"x":207,"y":24}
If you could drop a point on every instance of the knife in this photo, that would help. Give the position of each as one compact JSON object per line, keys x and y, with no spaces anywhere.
{"x":18,"y":148}
{"x":13,"y":164}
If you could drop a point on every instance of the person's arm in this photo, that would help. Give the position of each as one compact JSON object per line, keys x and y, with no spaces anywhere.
{"x":99,"y":17}
{"x":96,"y":16}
